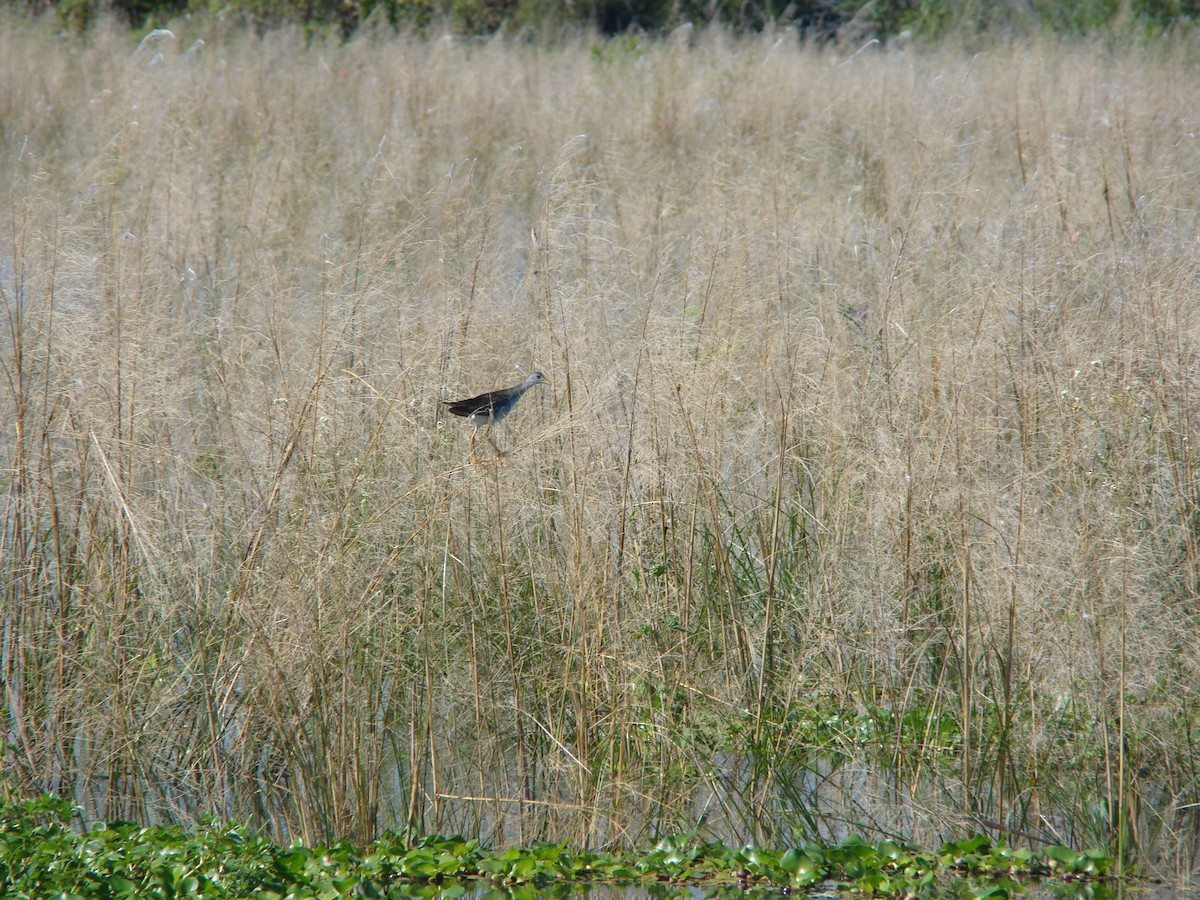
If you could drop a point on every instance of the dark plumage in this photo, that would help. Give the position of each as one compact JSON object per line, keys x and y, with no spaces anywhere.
{"x":493,"y":405}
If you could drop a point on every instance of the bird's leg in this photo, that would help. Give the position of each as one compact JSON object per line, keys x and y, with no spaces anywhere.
{"x":492,"y":441}
{"x":474,"y":458}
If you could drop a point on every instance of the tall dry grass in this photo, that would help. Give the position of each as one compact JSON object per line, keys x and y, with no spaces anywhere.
{"x":864,"y":494}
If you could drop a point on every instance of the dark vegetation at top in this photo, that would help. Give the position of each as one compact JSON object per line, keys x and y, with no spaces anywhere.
{"x":819,"y":20}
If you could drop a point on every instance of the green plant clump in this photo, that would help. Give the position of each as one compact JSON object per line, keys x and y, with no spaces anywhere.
{"x":42,"y":855}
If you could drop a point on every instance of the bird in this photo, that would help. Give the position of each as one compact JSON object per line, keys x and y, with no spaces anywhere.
{"x":492,"y":406}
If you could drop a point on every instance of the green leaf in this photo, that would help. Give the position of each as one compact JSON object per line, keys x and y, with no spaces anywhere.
{"x":122,"y":887}
{"x":1065,"y":857}
{"x":889,"y":850}
{"x":803,"y":868}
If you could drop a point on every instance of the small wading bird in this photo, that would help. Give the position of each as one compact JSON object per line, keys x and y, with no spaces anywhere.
{"x":491,"y":407}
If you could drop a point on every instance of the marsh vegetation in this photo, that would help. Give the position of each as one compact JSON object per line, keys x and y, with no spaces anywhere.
{"x":861,"y":498}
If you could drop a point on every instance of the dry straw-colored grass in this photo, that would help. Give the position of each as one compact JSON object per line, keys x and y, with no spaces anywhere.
{"x":863,"y":495}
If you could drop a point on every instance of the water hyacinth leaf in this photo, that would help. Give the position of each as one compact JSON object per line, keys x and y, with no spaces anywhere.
{"x":293,"y":861}
{"x":420,"y":864}
{"x":791,"y":861}
{"x":756,"y":856}
{"x":491,"y":865}
{"x":122,"y":887}
{"x":1064,"y":857}
{"x":803,"y":868}
{"x":852,"y":847}
{"x":889,"y":850}
{"x":872,"y":883}
{"x":964,"y":853}
{"x":344,"y":884}
{"x":1101,"y":862}
{"x":1014,"y":857}
{"x":448,"y":864}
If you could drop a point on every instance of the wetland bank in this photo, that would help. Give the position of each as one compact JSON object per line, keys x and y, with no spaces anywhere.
{"x":860,"y":499}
